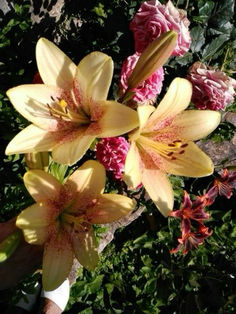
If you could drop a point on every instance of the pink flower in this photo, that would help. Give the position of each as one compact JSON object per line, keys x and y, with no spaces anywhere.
{"x":211,"y":89}
{"x":191,"y":240}
{"x":153,"y":19}
{"x":111,"y":152}
{"x":191,"y":211}
{"x":226,"y":183}
{"x":147,"y":90}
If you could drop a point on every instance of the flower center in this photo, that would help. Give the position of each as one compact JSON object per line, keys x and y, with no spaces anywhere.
{"x":59,"y":109}
{"x":72,"y":220}
{"x":170,"y":151}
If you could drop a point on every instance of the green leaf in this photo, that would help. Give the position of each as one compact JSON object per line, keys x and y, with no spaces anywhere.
{"x":227,"y":216}
{"x":198,"y":40}
{"x":214,"y":46}
{"x":95,"y":285}
{"x":205,"y":7}
{"x":8,"y":245}
{"x":223,"y":12}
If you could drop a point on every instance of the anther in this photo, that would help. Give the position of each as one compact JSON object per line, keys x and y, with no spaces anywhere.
{"x":184,"y":145}
{"x":182,"y":151}
{"x":177,"y":141}
{"x":52,"y":98}
{"x":173,"y":158}
{"x":171,"y":145}
{"x":170,"y":154}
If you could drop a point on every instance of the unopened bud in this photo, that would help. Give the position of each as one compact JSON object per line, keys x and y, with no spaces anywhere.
{"x":152,"y":58}
{"x":37,"y":160}
{"x":9,"y":245}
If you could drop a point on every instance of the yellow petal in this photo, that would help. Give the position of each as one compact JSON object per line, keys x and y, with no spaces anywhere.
{"x":35,"y":221}
{"x":93,"y":78}
{"x":36,"y":235}
{"x":176,"y":100}
{"x":54,"y":66}
{"x":72,"y":150}
{"x":195,"y":124}
{"x":41,"y":185}
{"x":116,"y":120}
{"x":109,"y":208}
{"x":85,"y":248}
{"x":192,"y":163}
{"x":144,"y":113}
{"x":88,"y":181}
{"x":31,"y":102}
{"x":57,"y":260}
{"x":31,"y":139}
{"x":132,"y":175}
{"x":159,"y":189}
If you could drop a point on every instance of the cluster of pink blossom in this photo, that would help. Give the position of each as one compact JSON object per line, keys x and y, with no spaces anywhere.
{"x":191,"y":211}
{"x":153,"y":19}
{"x":148,"y":89}
{"x":211,"y":89}
{"x":111,"y":152}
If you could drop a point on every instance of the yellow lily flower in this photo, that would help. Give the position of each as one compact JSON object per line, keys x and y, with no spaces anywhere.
{"x":63,"y":215}
{"x":70,"y":109}
{"x":163,"y":144}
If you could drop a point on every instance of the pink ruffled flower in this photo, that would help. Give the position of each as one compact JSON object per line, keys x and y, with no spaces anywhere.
{"x":153,"y":19}
{"x":148,"y":89}
{"x":111,"y":152}
{"x":211,"y":89}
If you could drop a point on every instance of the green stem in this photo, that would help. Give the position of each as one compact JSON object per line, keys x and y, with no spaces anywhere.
{"x":225,"y":59}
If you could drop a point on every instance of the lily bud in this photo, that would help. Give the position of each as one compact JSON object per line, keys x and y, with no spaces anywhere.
{"x":9,"y":245}
{"x":37,"y":160}
{"x":153,"y":57}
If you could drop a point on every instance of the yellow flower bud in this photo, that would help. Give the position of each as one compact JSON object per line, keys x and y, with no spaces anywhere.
{"x":37,"y":160}
{"x":153,"y":57}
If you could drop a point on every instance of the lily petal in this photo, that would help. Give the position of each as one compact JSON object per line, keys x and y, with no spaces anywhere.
{"x":196,"y":124}
{"x":54,"y":66}
{"x":144,"y":113}
{"x":70,"y":150}
{"x":41,"y":185}
{"x":159,"y":189}
{"x":116,"y":120}
{"x":175,"y":100}
{"x":88,"y":181}
{"x":192,"y":163}
{"x":93,"y":78}
{"x":31,"y":102}
{"x":109,"y":208}
{"x":31,"y":139}
{"x":57,"y":260}
{"x":34,"y":222}
{"x":85,"y":248}
{"x":132,"y":175}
